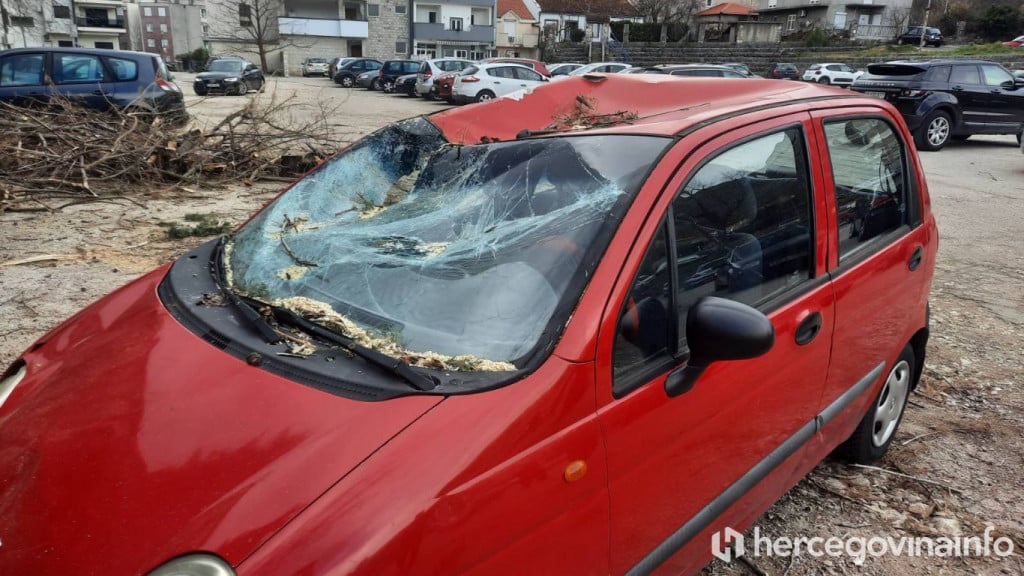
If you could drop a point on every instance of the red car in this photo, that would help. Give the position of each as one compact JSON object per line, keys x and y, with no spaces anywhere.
{"x":514,"y":338}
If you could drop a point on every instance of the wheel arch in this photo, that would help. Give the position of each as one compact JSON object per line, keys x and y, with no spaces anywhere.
{"x":919,"y":343}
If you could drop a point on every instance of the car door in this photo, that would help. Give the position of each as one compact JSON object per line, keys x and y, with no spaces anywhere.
{"x":502,"y":80}
{"x":527,"y":78}
{"x":877,"y":258}
{"x":23,"y":78}
{"x":736,"y":221}
{"x":83,"y":78}
{"x":1004,"y":100}
{"x":965,"y":84}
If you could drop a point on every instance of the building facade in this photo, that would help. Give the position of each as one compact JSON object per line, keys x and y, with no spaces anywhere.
{"x":518,"y":33}
{"x":456,"y":28}
{"x":859,"y":19}
{"x":83,"y":23}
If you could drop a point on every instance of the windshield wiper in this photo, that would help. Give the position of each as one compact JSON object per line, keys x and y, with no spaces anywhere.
{"x":255,"y":319}
{"x":395,"y":366}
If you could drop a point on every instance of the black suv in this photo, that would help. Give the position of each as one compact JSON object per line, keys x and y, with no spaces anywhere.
{"x":943,"y":99}
{"x":390,"y":72}
{"x":932,"y":36}
{"x":783,"y":71}
{"x":347,"y":72}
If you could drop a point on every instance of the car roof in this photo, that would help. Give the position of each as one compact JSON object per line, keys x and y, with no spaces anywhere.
{"x":91,"y":51}
{"x":671,"y":104}
{"x":488,"y":65}
{"x":939,"y":61}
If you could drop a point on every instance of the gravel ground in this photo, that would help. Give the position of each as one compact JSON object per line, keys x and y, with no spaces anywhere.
{"x":960,"y":450}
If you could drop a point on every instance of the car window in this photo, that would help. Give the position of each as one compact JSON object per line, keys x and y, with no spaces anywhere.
{"x":527,"y":74}
{"x":740,"y":229}
{"x":938,"y":74}
{"x":410,"y":67}
{"x":122,"y":68}
{"x":869,"y":182}
{"x":371,"y":65}
{"x":77,"y":68}
{"x":21,"y":70}
{"x":501,"y":72}
{"x":965,"y":74}
{"x":995,"y":75}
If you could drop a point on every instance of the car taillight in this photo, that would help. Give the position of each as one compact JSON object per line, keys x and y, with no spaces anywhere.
{"x":470,"y":79}
{"x":428,"y":73}
{"x":167,"y":86}
{"x":908,"y":93}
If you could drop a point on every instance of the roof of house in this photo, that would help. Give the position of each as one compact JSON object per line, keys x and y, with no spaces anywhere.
{"x":600,"y":8}
{"x":518,"y":7}
{"x":728,"y":9}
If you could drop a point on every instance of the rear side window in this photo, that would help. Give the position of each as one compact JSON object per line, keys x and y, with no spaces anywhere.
{"x":870,"y":183}
{"x":22,"y":70}
{"x":425,"y":67}
{"x":77,"y":69}
{"x":741,"y":228}
{"x":410,"y":67}
{"x":124,"y":69}
{"x":938,"y":74}
{"x":965,"y":74}
{"x":371,"y":65}
{"x":527,"y":74}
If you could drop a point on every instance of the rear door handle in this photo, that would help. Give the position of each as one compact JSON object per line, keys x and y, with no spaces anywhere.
{"x":808,"y":329}
{"x":97,"y":92}
{"x":915,"y":258}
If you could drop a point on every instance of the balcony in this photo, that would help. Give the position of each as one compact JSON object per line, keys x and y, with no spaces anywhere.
{"x":100,"y":3}
{"x":323,"y":27}
{"x":426,"y":31}
{"x":101,"y":25}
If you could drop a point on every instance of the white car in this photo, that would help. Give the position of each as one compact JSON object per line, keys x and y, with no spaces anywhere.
{"x":484,"y":82}
{"x":831,"y":73}
{"x":431,"y":69}
{"x":597,"y":67}
{"x":563,"y":68}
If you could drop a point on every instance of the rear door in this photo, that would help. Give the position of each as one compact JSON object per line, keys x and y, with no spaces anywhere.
{"x":736,"y":221}
{"x":965,"y":84}
{"x":83,"y":78}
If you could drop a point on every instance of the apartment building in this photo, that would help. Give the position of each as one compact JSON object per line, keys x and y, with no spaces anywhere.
{"x":84,"y":23}
{"x":518,"y":29}
{"x":166,"y":27}
{"x":458,"y":28}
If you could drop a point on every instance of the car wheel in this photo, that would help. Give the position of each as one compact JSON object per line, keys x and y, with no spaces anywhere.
{"x":242,"y":89}
{"x":934,"y":131}
{"x":824,"y":80}
{"x":200,"y":91}
{"x":484,"y":96}
{"x":375,"y":84}
{"x":388,"y":86}
{"x":348,"y":81}
{"x":875,"y":432}
{"x":899,"y":41}
{"x":261,"y":85}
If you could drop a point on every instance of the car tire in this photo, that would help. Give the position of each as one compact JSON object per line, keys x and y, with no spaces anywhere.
{"x":934,"y":132}
{"x":375,"y":84}
{"x":347,"y":81}
{"x":484,"y":96}
{"x":388,"y":86}
{"x":200,"y":91}
{"x":899,"y":41}
{"x":242,"y":89}
{"x":824,"y":80}
{"x":261,"y":86}
{"x":876,"y":430}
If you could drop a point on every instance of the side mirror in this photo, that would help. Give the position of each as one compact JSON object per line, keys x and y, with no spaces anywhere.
{"x":719,"y":329}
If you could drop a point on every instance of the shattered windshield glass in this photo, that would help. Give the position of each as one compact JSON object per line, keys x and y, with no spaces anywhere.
{"x":430,"y":251}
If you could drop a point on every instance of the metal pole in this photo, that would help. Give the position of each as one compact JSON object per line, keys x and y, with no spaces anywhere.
{"x":924,"y":27}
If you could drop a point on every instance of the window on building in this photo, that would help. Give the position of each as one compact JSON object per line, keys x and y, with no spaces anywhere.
{"x":151,"y":43}
{"x":161,"y":11}
{"x":244,"y":15}
{"x":455,"y":24}
{"x":373,"y":10}
{"x":163,"y":27}
{"x":65,"y":44}
{"x":22,"y":21}
{"x":202,"y":12}
{"x":149,"y":27}
{"x":164,"y":42}
{"x":206,"y":30}
{"x":791,"y":22}
{"x":61,"y":11}
{"x":147,"y":11}
{"x":104,"y":45}
{"x":399,"y":8}
{"x":432,"y":17}
{"x":400,"y":48}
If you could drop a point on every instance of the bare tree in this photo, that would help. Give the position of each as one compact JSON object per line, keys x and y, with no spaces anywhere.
{"x":249,"y":21}
{"x":898,"y":18}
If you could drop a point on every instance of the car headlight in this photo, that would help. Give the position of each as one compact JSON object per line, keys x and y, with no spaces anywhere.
{"x":232,"y":79}
{"x":195,"y":565}
{"x":15,"y":374}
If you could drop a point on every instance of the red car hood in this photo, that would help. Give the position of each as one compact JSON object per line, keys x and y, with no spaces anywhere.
{"x":132,"y":441}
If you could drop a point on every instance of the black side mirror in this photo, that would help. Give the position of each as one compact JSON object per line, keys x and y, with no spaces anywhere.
{"x":719,"y":329}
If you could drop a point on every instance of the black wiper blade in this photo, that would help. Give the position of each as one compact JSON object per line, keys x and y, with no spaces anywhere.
{"x":255,"y":319}
{"x":395,"y":366}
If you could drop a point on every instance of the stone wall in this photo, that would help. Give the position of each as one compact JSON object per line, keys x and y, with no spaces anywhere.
{"x":298,"y":48}
{"x":387,"y":30}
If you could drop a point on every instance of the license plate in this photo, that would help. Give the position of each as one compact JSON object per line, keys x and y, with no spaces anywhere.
{"x":876,"y":94}
{"x":213,"y":84}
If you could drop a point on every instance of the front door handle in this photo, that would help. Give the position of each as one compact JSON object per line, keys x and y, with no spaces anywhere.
{"x":808,"y":329}
{"x":915,"y":258}
{"x":97,"y":92}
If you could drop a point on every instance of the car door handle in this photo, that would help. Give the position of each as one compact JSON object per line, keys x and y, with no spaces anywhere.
{"x":915,"y":258}
{"x":808,"y":329}
{"x":958,"y":87}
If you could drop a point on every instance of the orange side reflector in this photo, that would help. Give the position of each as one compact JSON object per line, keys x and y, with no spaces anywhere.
{"x":576,"y":470}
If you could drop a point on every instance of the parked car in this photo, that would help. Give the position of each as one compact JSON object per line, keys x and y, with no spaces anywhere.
{"x":1015,"y":43}
{"x":831,"y":73}
{"x":562,"y":68}
{"x":599,"y":68}
{"x":783,"y":71}
{"x":932,"y":36}
{"x":487,"y":81}
{"x":348,"y":72}
{"x":335,"y":64}
{"x":368,"y":79}
{"x":741,"y":68}
{"x":100,"y":79}
{"x":314,"y":67}
{"x":390,"y":71}
{"x":537,"y":65}
{"x":431,"y":69}
{"x":942,"y":99}
{"x":471,"y":357}
{"x":702,"y":70}
{"x":406,"y":85}
{"x":229,"y":76}
{"x":442,"y":88}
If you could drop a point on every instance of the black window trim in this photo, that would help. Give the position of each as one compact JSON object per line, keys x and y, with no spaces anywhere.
{"x":633,"y":379}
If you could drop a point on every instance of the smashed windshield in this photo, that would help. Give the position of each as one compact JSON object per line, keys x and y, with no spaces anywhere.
{"x":431,"y":251}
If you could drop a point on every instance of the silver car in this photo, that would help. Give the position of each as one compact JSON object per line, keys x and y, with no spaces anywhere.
{"x":431,"y":69}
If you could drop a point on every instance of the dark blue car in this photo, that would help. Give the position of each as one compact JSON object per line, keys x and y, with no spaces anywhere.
{"x":100,"y":79}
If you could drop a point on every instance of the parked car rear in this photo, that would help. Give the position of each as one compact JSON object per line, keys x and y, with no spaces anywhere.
{"x":315,"y":67}
{"x":390,"y":72}
{"x":831,"y":73}
{"x":100,"y":79}
{"x":783,"y":71}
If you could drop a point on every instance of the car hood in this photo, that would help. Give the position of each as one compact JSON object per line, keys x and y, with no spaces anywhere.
{"x":217,"y":75}
{"x":132,"y":441}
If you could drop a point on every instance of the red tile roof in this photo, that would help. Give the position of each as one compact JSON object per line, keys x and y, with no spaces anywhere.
{"x":729,"y":9}
{"x":515,"y":6}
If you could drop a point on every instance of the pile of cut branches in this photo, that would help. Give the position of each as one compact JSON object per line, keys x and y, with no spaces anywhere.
{"x":67,"y":151}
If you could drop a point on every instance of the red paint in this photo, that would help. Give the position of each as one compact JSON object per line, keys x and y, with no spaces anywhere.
{"x":132,"y":441}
